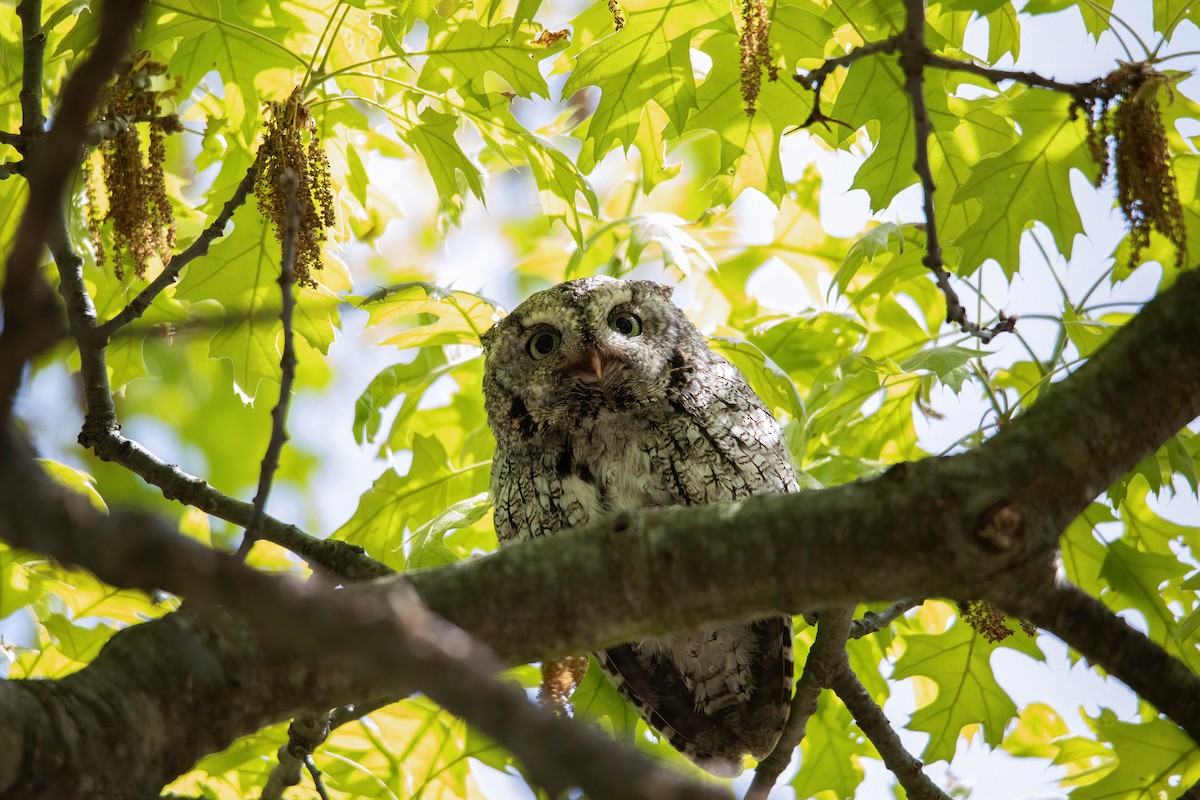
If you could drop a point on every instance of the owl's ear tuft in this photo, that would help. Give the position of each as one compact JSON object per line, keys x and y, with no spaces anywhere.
{"x":664,"y":290}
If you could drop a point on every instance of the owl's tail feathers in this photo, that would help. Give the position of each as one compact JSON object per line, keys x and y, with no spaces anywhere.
{"x":719,"y":742}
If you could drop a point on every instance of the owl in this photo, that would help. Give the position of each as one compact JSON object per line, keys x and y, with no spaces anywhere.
{"x":603,"y":397}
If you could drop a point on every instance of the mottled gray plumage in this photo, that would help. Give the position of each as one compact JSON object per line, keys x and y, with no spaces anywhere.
{"x":603,"y":396}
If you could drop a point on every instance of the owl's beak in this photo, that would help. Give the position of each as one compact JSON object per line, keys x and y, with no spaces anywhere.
{"x":595,"y":363}
{"x":589,"y":364}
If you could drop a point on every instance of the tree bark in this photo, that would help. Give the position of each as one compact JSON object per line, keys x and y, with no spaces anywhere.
{"x":984,"y":524}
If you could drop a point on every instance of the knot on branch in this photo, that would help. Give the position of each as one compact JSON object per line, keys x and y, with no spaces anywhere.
{"x":1003,"y":527}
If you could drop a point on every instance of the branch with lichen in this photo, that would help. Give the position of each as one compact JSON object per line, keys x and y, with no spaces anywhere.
{"x":826,"y":660}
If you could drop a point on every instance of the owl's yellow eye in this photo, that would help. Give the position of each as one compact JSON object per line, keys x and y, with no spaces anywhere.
{"x":543,"y":343}
{"x":625,"y":323}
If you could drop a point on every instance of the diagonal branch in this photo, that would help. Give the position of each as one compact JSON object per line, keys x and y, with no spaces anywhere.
{"x":875,"y":725}
{"x":215,"y":230}
{"x":388,"y":639}
{"x":826,"y":660}
{"x":872,"y":622}
{"x":1085,"y":624}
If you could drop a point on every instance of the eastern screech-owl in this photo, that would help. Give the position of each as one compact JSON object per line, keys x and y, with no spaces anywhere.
{"x":603,"y":396}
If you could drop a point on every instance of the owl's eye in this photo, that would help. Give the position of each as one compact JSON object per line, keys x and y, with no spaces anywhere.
{"x":625,"y":323}
{"x":543,"y":343}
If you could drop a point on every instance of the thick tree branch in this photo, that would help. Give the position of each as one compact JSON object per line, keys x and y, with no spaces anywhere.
{"x":983,"y":523}
{"x":385,"y":639}
{"x":1105,"y":639}
{"x":875,"y":725}
{"x":826,"y":660}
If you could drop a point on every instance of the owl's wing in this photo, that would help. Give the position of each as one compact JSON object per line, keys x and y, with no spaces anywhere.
{"x":720,"y":741}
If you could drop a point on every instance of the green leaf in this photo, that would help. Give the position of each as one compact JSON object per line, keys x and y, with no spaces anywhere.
{"x":597,"y":701}
{"x":241,"y":273}
{"x":648,"y":59}
{"x":396,"y":505}
{"x":1097,"y":14}
{"x":831,"y":752}
{"x":1029,"y":182}
{"x":959,"y":662}
{"x":1038,"y":725}
{"x":769,"y":382}
{"x":428,"y":549}
{"x":1135,"y":578}
{"x":1154,"y":759}
{"x":436,"y":316}
{"x":75,"y":480}
{"x":877,"y":240}
{"x":239,"y":50}
{"x":462,"y":48}
{"x":1168,"y":14}
{"x":453,"y":173}
{"x":948,"y":363}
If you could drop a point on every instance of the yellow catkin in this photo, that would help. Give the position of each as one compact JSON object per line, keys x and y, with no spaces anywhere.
{"x":290,"y":141}
{"x":1128,"y":119}
{"x":129,"y":191}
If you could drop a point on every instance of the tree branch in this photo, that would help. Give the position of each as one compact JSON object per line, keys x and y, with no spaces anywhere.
{"x":32,"y":321}
{"x":386,"y":639}
{"x":287,"y":365}
{"x":875,"y":725}
{"x":1085,"y":624}
{"x":1095,"y":89}
{"x":872,"y":622}
{"x":815,"y":79}
{"x":33,"y":45}
{"x":826,"y":660}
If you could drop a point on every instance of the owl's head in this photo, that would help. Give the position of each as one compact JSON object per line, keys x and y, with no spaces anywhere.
{"x":573,"y":351}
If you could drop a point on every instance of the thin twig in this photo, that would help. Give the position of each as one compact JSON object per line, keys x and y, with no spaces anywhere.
{"x":33,"y":42}
{"x":319,"y":784}
{"x":138,"y":305}
{"x":308,"y":731}
{"x":872,"y":621}
{"x":913,"y":54}
{"x":826,"y":659}
{"x":815,"y":79}
{"x":1096,"y":89}
{"x":10,"y":168}
{"x":287,"y":363}
{"x":875,"y":725}
{"x":14,"y":139}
